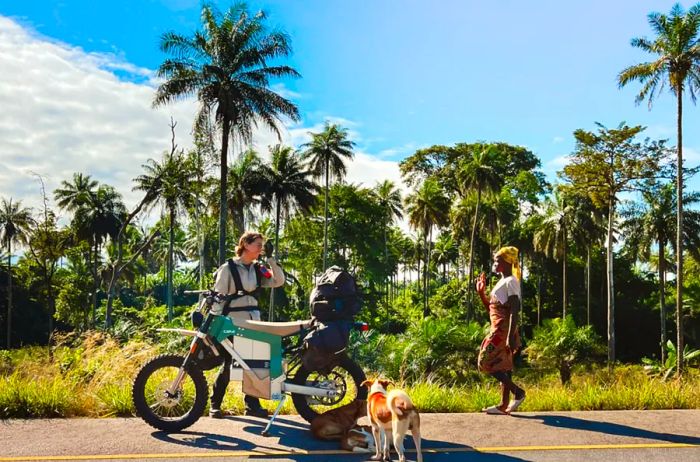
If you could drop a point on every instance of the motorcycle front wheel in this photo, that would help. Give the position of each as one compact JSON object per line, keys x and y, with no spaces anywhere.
{"x":345,"y":378}
{"x":157,"y":406}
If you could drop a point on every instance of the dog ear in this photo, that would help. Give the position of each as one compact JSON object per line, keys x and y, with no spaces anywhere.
{"x":366,"y":383}
{"x":386,"y":383}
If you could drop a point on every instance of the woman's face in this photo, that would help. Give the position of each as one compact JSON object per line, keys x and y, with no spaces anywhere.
{"x":499,"y":264}
{"x":254,"y":248}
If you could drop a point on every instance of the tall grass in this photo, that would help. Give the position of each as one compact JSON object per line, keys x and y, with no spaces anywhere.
{"x":626,"y":387}
{"x":91,"y":376}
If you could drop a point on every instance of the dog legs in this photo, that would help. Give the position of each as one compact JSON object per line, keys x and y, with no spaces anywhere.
{"x":377,"y":443}
{"x":385,"y":443}
{"x":415,"y":431}
{"x":398,"y":445}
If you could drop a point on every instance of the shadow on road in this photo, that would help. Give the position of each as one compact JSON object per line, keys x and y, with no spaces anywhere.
{"x":609,"y":428}
{"x":295,"y":435}
{"x":204,"y":440}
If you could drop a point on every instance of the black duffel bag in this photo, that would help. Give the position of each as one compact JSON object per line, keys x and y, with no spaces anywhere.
{"x":324,"y":343}
{"x":336,"y":296}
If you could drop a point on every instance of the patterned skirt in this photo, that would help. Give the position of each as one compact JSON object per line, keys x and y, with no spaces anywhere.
{"x":494,"y":355}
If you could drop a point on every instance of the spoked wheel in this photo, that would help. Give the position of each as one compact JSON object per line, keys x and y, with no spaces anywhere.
{"x":164,"y":410}
{"x":345,"y":378}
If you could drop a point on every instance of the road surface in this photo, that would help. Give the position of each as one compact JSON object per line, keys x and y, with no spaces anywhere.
{"x":540,"y":436}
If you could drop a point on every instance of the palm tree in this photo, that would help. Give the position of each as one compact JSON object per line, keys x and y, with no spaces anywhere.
{"x":588,"y":230}
{"x":95,"y":220}
{"x":654,"y":222}
{"x":97,"y":213}
{"x":552,"y":238}
{"x":289,"y":187}
{"x":226,"y":66}
{"x":445,"y":253}
{"x":71,"y":196}
{"x":327,"y":152}
{"x":677,"y":50}
{"x":15,"y":222}
{"x":389,"y":198}
{"x":477,"y":174}
{"x":169,"y":183}
{"x":246,"y":184}
{"x":426,"y":208}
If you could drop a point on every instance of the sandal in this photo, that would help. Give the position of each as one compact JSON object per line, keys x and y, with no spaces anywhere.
{"x":494,"y":410}
{"x":514,"y":405}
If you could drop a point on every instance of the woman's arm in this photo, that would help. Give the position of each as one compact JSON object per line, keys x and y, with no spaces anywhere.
{"x":514,"y":304}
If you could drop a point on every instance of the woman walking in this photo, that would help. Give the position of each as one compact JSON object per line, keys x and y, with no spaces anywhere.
{"x":503,"y":339}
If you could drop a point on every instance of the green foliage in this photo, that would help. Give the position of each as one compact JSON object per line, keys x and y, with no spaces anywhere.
{"x":559,"y":344}
{"x":449,"y":300}
{"x":438,"y":348}
{"x":691,"y":357}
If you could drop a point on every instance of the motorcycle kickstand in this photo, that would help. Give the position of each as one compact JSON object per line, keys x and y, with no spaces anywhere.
{"x":266,"y":431}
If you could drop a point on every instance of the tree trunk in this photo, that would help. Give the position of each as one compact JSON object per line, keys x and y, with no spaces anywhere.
{"x":611,"y":286}
{"x":117,"y":268}
{"x":9,"y":293}
{"x":539,"y":290}
{"x":426,"y":271}
{"x":679,"y":237}
{"x":418,"y":273}
{"x":565,"y":300}
{"x":201,"y":252}
{"x":470,"y":268}
{"x":564,"y":372}
{"x":52,"y":310}
{"x":222,"y":195}
{"x":277,"y":241}
{"x":170,"y":265}
{"x":588,"y":284}
{"x":386,"y":266}
{"x":325,"y":221}
{"x":662,"y":297}
{"x":94,"y":282}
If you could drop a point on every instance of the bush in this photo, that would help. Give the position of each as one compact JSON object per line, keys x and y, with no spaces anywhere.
{"x":559,"y":344}
{"x":690,"y":357}
{"x":443,"y":349}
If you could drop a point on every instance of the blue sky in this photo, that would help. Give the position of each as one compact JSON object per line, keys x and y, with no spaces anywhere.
{"x":400,"y":74}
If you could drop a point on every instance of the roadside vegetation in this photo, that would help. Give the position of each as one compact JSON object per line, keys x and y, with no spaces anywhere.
{"x":91,"y":376}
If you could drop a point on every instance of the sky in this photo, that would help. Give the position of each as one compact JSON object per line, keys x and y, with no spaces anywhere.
{"x":77,"y":80}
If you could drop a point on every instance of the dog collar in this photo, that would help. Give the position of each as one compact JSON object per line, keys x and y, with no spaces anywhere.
{"x":376,"y":393}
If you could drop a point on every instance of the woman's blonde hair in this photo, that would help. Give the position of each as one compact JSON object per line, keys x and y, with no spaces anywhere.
{"x":247,"y":238}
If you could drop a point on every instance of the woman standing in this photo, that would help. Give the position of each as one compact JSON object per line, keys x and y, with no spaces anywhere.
{"x":503,"y":339}
{"x":244,"y":305}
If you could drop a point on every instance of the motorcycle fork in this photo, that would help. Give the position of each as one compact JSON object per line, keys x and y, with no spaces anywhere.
{"x":175,"y":386}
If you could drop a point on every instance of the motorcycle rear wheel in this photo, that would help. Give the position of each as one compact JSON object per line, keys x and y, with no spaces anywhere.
{"x":346,"y":378}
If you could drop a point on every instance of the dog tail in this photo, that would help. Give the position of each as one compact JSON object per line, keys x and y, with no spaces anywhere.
{"x":398,"y":402}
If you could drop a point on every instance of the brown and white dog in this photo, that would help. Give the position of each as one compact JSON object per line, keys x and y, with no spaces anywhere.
{"x":341,"y":424}
{"x":391,"y":413}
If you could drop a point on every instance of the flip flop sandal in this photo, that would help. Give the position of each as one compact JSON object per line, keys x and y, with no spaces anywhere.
{"x":514,"y":404}
{"x":493,"y":410}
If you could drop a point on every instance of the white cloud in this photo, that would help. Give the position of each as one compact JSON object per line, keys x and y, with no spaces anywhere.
{"x":554,"y":165}
{"x":66,"y":110}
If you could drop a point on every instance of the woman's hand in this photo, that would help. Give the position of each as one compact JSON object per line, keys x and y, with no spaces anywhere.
{"x":481,"y":284}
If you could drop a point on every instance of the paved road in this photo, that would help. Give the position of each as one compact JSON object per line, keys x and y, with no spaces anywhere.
{"x":541,"y":437}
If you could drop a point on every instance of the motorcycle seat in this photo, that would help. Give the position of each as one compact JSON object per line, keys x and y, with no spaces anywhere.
{"x":275,"y":328}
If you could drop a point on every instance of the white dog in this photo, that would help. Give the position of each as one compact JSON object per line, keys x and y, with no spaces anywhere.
{"x":391,"y":413}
